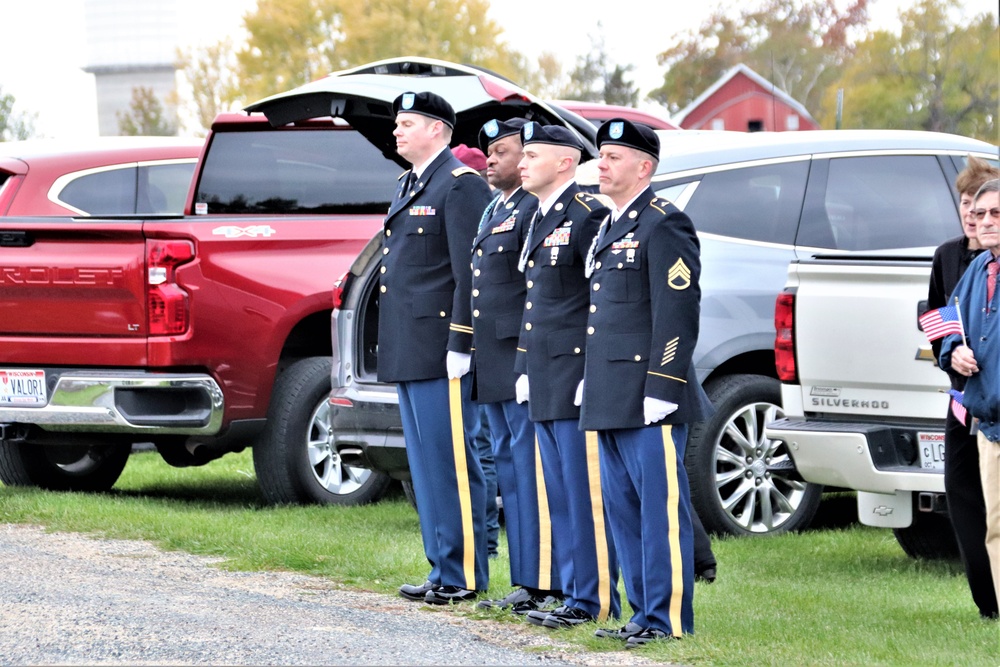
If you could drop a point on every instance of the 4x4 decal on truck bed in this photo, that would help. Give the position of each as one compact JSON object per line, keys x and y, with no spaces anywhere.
{"x":233,"y":232}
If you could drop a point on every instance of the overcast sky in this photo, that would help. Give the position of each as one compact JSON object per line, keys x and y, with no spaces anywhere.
{"x":44,"y":45}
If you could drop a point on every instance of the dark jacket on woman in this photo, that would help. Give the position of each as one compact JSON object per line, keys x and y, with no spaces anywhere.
{"x":951,"y":259}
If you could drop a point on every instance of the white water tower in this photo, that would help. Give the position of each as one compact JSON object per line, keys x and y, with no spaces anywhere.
{"x":130,"y":44}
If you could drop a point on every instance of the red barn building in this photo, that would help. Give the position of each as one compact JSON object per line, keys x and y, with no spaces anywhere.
{"x":744,"y":101}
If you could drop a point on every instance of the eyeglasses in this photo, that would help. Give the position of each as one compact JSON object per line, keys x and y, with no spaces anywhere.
{"x":980,"y":213}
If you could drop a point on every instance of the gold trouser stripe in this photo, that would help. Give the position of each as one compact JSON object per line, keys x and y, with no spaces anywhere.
{"x":462,"y":476}
{"x":600,"y":531}
{"x":544,"y":525}
{"x":674,"y":534}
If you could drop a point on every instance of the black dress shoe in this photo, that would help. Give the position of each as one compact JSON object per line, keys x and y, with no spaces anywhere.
{"x":446,"y":594}
{"x":416,"y":593}
{"x":519,"y":595}
{"x":537,"y":616}
{"x":566,"y":617}
{"x":707,"y":575}
{"x":645,"y":637}
{"x":543,"y":603}
{"x":623,"y":633}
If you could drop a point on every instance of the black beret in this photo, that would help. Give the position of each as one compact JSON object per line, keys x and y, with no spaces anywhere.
{"x":623,"y":132}
{"x":495,"y":130}
{"x":425,"y":104}
{"x":533,"y":133}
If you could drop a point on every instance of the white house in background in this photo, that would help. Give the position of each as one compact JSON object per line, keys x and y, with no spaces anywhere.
{"x":130,"y":44}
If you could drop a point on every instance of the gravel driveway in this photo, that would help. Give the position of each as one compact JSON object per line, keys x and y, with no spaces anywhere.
{"x":68,"y":599}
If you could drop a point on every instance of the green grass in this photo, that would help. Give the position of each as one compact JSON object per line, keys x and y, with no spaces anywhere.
{"x":843,"y":594}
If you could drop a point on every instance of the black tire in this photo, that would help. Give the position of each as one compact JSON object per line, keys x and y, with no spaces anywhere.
{"x":294,"y":457}
{"x":408,"y":492}
{"x":929,"y":537}
{"x":741,"y":483}
{"x":88,"y":468}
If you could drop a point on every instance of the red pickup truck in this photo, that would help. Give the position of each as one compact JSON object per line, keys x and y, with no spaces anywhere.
{"x":210,"y":332}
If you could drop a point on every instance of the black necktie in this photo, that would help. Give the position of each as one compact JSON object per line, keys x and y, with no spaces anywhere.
{"x":410,"y":178}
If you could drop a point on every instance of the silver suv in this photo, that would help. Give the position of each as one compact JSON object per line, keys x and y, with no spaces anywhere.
{"x":758,"y":201}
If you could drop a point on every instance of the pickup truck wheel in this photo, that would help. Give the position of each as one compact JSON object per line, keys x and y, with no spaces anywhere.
{"x":411,"y":496}
{"x":742,"y":483}
{"x":929,"y":537}
{"x":295,"y":458}
{"x":63,"y":468}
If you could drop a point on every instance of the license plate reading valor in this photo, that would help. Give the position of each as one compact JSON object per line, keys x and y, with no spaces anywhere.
{"x":22,"y":387}
{"x":931,"y":447}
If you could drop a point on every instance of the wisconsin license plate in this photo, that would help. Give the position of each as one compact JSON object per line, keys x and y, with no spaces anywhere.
{"x":22,"y":387}
{"x":931,"y":446}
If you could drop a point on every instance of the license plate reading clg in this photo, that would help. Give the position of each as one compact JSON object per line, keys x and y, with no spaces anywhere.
{"x":931,"y":446}
{"x":22,"y":387}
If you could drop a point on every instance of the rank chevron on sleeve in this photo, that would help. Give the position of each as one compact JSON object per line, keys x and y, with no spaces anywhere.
{"x":679,"y":275}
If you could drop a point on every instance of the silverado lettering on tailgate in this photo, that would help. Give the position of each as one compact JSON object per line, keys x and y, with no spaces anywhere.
{"x":850,"y":403}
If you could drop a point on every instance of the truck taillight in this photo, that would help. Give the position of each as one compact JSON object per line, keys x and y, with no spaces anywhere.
{"x":168,"y":305}
{"x":784,"y":338}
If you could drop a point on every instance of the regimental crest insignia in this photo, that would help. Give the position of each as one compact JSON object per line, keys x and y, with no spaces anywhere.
{"x":529,"y":130}
{"x":679,"y":275}
{"x":492,"y":128}
{"x":407,"y":100}
{"x":616,"y":130}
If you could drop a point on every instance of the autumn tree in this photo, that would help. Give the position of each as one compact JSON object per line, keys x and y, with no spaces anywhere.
{"x":211,"y":73}
{"x":292,"y":42}
{"x":936,"y":74}
{"x":799,"y":46}
{"x":146,"y":116}
{"x":596,"y":79}
{"x":14,"y":125}
{"x":454,"y":30}
{"x":288,"y":44}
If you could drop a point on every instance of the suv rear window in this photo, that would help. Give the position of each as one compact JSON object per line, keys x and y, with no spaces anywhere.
{"x":150,"y":189}
{"x":885,"y":201}
{"x":758,"y":203}
{"x":296,"y":171}
{"x":108,"y":192}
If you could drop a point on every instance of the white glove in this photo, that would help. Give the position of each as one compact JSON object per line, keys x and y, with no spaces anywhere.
{"x":521,"y":389}
{"x":458,"y":364}
{"x":578,"y":399}
{"x":654,"y":409}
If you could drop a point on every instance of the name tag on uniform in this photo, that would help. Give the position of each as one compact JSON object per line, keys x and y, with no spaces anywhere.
{"x":504,"y":226}
{"x":559,"y":237}
{"x":423,"y":210}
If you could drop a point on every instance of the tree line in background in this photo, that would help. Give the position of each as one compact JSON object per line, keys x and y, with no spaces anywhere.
{"x":938,"y":71}
{"x":14,"y":125}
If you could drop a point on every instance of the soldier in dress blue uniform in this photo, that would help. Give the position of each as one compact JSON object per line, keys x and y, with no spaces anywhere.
{"x":640,"y":390}
{"x":498,"y":290}
{"x":425,"y":344}
{"x":550,"y":360}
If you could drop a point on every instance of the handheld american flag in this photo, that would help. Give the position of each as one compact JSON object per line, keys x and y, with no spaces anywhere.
{"x":957,"y":408}
{"x":941,"y":322}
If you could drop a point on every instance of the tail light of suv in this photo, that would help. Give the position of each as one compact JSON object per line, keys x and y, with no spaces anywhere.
{"x":168,"y":305}
{"x":340,"y":288}
{"x":784,"y":338}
